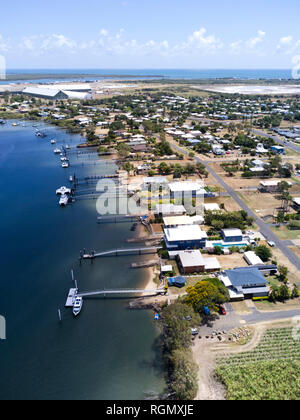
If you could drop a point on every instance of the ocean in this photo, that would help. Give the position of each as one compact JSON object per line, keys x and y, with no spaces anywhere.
{"x":109,"y":352}
{"x":135,"y":74}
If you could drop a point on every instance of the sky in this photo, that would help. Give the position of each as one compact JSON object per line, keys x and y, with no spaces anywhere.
{"x":150,"y":34}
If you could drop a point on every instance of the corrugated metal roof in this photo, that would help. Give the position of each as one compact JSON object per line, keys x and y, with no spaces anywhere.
{"x":250,"y":278}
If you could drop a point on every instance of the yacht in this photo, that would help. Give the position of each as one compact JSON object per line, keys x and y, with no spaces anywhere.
{"x":77,"y":306}
{"x":63,"y":202}
{"x":63,"y":191}
{"x":57,"y":151}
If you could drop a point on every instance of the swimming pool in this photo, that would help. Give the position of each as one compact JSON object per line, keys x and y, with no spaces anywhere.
{"x":221,"y":245}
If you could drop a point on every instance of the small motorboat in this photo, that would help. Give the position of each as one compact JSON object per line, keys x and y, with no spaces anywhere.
{"x":63,"y":191}
{"x":68,"y":147}
{"x":57,"y":151}
{"x":77,"y":306}
{"x":65,"y":165}
{"x":53,"y":141}
{"x":63,"y":202}
{"x":71,"y":179}
{"x":64,"y":159}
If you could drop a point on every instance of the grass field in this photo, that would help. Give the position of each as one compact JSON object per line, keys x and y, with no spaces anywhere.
{"x":269,"y":372}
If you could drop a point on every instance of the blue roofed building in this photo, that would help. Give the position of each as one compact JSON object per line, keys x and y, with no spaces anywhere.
{"x":245,"y":284}
{"x":177,"y":281}
{"x":278,"y":149}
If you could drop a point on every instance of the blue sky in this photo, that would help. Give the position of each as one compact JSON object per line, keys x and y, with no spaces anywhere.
{"x":150,"y":34}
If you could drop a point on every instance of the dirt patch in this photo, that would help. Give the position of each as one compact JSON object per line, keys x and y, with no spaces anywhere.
{"x":228,"y":262}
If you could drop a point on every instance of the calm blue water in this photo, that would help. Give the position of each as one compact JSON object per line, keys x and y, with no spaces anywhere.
{"x":109,"y":352}
{"x":157,"y":73}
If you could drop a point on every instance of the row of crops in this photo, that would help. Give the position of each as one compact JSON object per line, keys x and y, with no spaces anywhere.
{"x":276,"y":344}
{"x":270,"y":372}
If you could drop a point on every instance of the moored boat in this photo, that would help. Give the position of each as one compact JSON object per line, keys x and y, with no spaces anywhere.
{"x":77,"y":308}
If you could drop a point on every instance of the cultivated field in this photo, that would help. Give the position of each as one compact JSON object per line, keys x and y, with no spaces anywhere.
{"x":268,"y":372}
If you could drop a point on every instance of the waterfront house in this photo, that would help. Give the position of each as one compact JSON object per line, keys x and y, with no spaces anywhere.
{"x":185,"y":237}
{"x":193,"y":262}
{"x":245,"y":284}
{"x":169,"y":210}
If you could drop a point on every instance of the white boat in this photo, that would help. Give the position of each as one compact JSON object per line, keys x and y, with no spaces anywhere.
{"x":65,"y":165}
{"x":53,"y":141}
{"x":71,"y":179}
{"x":77,"y":306}
{"x":63,"y":202}
{"x":64,"y":159}
{"x":57,"y":151}
{"x":68,"y":147}
{"x":63,"y":191}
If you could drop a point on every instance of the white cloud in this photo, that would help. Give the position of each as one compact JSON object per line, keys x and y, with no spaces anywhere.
{"x":287,"y":45}
{"x":40,"y":44}
{"x":104,"y":32}
{"x":253,"y":42}
{"x":4,"y":44}
{"x":199,"y":41}
{"x":248,"y":46}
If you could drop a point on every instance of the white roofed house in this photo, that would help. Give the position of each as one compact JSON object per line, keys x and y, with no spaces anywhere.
{"x":154,"y":182}
{"x":296,"y":202}
{"x":185,"y":237}
{"x":270,"y":186}
{"x":212,"y":207}
{"x":169,"y":210}
{"x":187,"y":188}
{"x":252,"y":259}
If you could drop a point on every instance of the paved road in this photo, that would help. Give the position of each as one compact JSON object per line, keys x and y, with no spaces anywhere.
{"x":264,"y":228}
{"x":258,"y":316}
{"x":287,"y":144}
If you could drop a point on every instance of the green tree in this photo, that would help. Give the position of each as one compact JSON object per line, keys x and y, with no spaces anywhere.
{"x":283,"y":272}
{"x":184,"y":380}
{"x":263,"y":252}
{"x":206,"y":293}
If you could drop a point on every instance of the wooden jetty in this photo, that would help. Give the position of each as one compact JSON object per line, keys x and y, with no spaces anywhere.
{"x":121,"y":252}
{"x":122,"y":292}
{"x":119,"y":219}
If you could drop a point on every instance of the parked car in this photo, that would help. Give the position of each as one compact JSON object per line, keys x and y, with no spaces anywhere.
{"x":222,"y":311}
{"x":271,"y":244}
{"x":195,"y":331}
